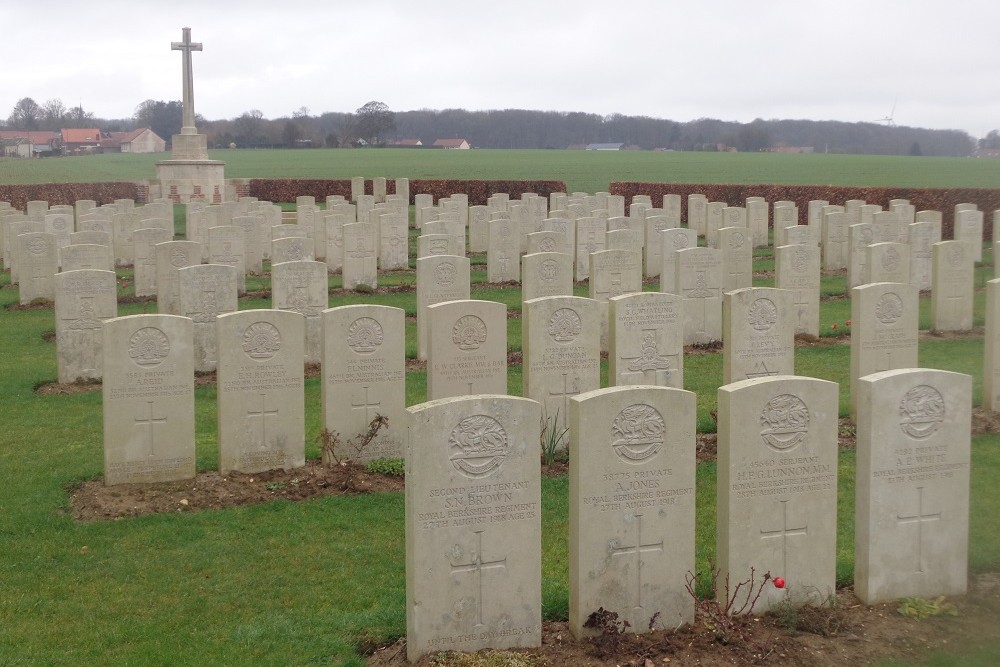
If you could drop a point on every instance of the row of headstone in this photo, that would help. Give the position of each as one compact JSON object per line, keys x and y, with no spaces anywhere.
{"x":473,"y":491}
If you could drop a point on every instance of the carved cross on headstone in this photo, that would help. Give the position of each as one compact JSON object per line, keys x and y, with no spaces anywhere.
{"x":263,"y":413}
{"x":151,"y":422}
{"x":637,"y":550}
{"x":187,"y":46}
{"x":477,"y":565}
{"x":784,"y":532}
{"x":920,"y":519}
{"x":366,"y":404}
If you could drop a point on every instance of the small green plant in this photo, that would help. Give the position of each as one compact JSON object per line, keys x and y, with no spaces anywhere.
{"x":364,"y":289}
{"x":391,"y":467}
{"x":551,"y":438}
{"x":919,"y":608}
{"x":275,"y":486}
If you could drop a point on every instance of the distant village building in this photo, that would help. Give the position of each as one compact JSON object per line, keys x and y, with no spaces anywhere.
{"x":791,"y":149}
{"x":408,"y":143}
{"x":987,"y":152}
{"x":80,"y":140}
{"x":27,"y":143}
{"x":605,"y":147}
{"x":459,"y":144}
{"x":140,"y":140}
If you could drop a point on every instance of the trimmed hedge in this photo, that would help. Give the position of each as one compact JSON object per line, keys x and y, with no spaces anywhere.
{"x":287,"y":189}
{"x":68,"y":193}
{"x":933,"y":199}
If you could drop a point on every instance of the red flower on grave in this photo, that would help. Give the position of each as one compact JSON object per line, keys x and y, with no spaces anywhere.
{"x":779,"y":582}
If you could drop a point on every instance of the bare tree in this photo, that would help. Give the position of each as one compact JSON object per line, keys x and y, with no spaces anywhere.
{"x":25,"y":115}
{"x":373,"y":121}
{"x":54,"y":114}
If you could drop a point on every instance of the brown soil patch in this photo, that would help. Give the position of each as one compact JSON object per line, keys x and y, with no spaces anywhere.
{"x":136,"y":299}
{"x":985,"y":421}
{"x":977,"y":332}
{"x":37,"y":304}
{"x":703,"y":348}
{"x":848,"y":633}
{"x":92,"y":501}
{"x":808,"y":340}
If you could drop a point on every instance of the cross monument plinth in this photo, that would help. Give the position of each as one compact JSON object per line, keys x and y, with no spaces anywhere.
{"x":189,"y":175}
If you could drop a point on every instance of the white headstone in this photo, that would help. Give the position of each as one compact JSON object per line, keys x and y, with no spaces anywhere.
{"x":560,"y":343}
{"x":84,"y":300}
{"x":911,"y":519}
{"x":467,"y":350}
{"x":884,"y":320}
{"x":439,"y":278}
{"x":261,"y":412}
{"x":953,"y":283}
{"x":797,"y":270}
{"x":758,"y":333}
{"x":148,"y":392}
{"x":646,"y":344}
{"x":302,"y":287}
{"x":632,"y":506}
{"x":473,"y":525}
{"x":206,"y":292}
{"x":364,"y":376}
{"x":777,"y":488}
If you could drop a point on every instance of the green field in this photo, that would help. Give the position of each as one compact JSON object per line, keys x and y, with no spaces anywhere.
{"x":308,"y":583}
{"x":586,"y":171}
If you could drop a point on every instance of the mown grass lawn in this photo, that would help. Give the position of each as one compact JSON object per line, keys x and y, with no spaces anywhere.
{"x":308,"y":583}
{"x":586,"y":171}
{"x":289,"y":583}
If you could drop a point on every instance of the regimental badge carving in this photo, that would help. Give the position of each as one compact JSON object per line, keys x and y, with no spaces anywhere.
{"x":365,"y":335}
{"x":178,"y":258}
{"x":549,"y":271}
{"x":680,"y":241}
{"x":955,"y":254}
{"x":889,"y":308}
{"x":504,"y":231}
{"x":468,"y":333}
{"x":209,"y":308}
{"x":921,"y":412}
{"x":445,"y":273}
{"x":548,"y":244}
{"x":478,"y":446}
{"x":800,"y":259}
{"x":37,"y":245}
{"x":786,"y":422}
{"x":59,"y":224}
{"x":296,"y":250}
{"x":261,"y":341}
{"x":736,"y":240}
{"x":148,"y":347}
{"x":650,"y":358}
{"x":87,"y":318}
{"x":564,"y":325}
{"x":762,"y":314}
{"x":890,"y":259}
{"x":637,"y":433}
{"x":866,"y":236}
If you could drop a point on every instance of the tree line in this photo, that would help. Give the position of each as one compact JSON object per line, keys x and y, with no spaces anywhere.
{"x":374,"y":124}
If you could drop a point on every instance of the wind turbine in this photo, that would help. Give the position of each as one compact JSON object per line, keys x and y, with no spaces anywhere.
{"x":888,"y":120}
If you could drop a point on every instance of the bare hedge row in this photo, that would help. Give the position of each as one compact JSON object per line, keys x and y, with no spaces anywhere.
{"x":67,"y":193}
{"x":286,"y":190}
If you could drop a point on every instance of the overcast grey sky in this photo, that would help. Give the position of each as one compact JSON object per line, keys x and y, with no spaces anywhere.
{"x":850,"y":60}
